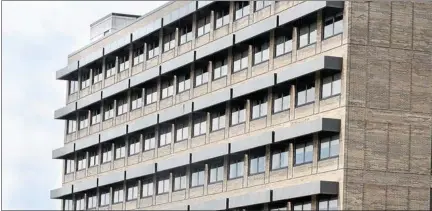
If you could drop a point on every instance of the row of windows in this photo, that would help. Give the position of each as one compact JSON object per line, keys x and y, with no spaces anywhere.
{"x":329,"y":146}
{"x":307,"y":35}
{"x":305,"y":87}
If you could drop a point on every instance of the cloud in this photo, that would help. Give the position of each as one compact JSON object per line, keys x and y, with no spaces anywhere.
{"x":37,"y":37}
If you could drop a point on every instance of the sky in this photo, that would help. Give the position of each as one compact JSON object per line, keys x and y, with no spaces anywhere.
{"x":36,"y":39}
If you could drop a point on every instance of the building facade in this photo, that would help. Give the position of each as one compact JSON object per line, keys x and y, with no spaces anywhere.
{"x":252,"y":105}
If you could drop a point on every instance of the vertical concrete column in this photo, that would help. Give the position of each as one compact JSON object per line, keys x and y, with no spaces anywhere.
{"x":172,"y":137}
{"x":157,"y":131}
{"x":91,"y":80}
{"x":177,"y":40}
{"x":319,"y":31}
{"x":267,"y":164}
{"x":97,"y":197}
{"x":159,"y":91}
{"x":86,"y":164}
{"x":103,"y":71}
{"x":143,"y":100}
{"x":293,"y":101}
{"x":174,"y":90}
{"x":314,"y":202}
{"x":131,"y":56}
{"x":315,"y":142}
{"x":124,"y":193}
{"x":230,"y":61}
{"x":126,"y":150}
{"x":144,"y":57}
{"x":212,"y":24}
{"x":65,"y":131}
{"x":247,"y":115}
{"x":289,"y":206}
{"x":77,"y":126}
{"x":117,"y":69}
{"x":206,"y":178}
{"x":294,"y":43}
{"x":102,"y":114}
{"x":226,"y":172}
{"x":194,"y":29}
{"x":269,"y":106}
{"x":190,"y":126}
{"x":115,"y":112}
{"x":208,"y":127}
{"x":188,"y":176}
{"x":79,"y":83}
{"x":317,"y":91}
{"x":266,"y":207}
{"x":129,"y":103}
{"x":246,"y":169}
{"x":141,"y":141}
{"x":112,"y":155}
{"x":75,"y":157}
{"x":111,"y":196}
{"x":231,"y":16}
{"x":88,"y":121}
{"x":161,"y":49}
{"x":251,"y":11}
{"x":271,"y":49}
{"x":210,"y":76}
{"x":291,"y":152}
{"x":192,"y":79}
{"x":67,"y":91}
{"x":139,"y":192}
{"x":99,"y":152}
{"x":250,"y":61}
{"x":227,"y":118}
{"x":171,"y":182}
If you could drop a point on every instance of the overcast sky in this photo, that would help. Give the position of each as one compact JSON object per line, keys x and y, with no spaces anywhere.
{"x":36,"y":39}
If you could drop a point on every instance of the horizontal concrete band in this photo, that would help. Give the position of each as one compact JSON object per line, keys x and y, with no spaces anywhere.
{"x":237,"y":145}
{"x":254,"y":84}
{"x":285,"y":193}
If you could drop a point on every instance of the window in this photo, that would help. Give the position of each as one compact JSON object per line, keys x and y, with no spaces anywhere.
{"x":97,"y":75}
{"x":257,"y":162}
{"x":241,"y":9}
{"x":186,"y":34}
{"x":216,"y":172}
{"x":182,"y":131}
{"x":123,"y":63}
{"x":167,"y":89}
{"x":138,"y":55}
{"x":149,"y":141}
{"x":261,"y":53}
{"x":163,"y":185}
{"x":331,"y":85}
{"x":241,"y":61}
{"x":136,"y":99}
{"x":151,"y":95}
{"x":104,"y":198}
{"x":110,"y":69}
{"x":71,"y":126}
{"x":132,"y":191}
{"x":201,"y":77}
{"x":80,"y":203}
{"x":261,"y":4}
{"x":329,"y":147}
{"x":106,"y":153}
{"x":109,"y":111}
{"x":70,"y":165}
{"x":203,"y":25}
{"x":197,"y":177}
{"x":283,"y":44}
{"x":238,"y":115}
{"x":305,"y":90}
{"x":282,"y":101}
{"x":218,"y":120}
{"x":83,"y":123}
{"x":82,"y":161}
{"x":120,"y":150}
{"x":118,"y":194}
{"x":220,"y":68}
{"x":333,"y":24}
{"x":96,"y":117}
{"x":165,"y":136}
{"x":200,"y":125}
{"x":300,"y":206}
{"x":328,"y":204}
{"x":147,"y":188}
{"x":169,"y":41}
{"x":279,"y":157}
{"x":73,"y":87}
{"x":93,"y":158}
{"x":68,"y":204}
{"x":222,"y":17}
{"x":91,"y":200}
{"x":85,"y":79}
{"x":183,"y":83}
{"x":307,"y":34}
{"x":134,"y":145}
{"x":304,"y":153}
{"x":179,"y":180}
{"x":153,"y":49}
{"x":122,"y":106}
{"x":259,"y":108}
{"x":236,"y":167}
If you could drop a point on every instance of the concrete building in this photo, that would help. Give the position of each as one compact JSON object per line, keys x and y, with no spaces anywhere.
{"x":254,"y":105}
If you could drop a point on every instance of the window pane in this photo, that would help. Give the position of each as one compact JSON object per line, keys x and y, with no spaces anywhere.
{"x":328,"y":29}
{"x":284,"y":159}
{"x":276,"y":161}
{"x":286,"y":102}
{"x":257,"y":57}
{"x":313,"y":33}
{"x":334,"y":147}
{"x":242,"y":116}
{"x":338,"y":26}
{"x":234,"y":118}
{"x":336,"y":84}
{"x":304,"y":34}
{"x":265,"y":54}
{"x":279,"y":49}
{"x":253,"y":166}
{"x":308,"y":153}
{"x":326,"y":87}
{"x":301,"y":97}
{"x":310,"y":95}
{"x":244,"y":62}
{"x":299,"y":156}
{"x":288,"y":46}
{"x":240,"y":168}
{"x":307,"y":206}
{"x":324,"y":152}
{"x":233,"y":170}
{"x":263,"y":109}
{"x":277,"y":105}
{"x":333,"y":204}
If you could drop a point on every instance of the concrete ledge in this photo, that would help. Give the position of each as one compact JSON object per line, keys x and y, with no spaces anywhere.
{"x":209,"y":153}
{"x":63,"y":112}
{"x":147,"y":29}
{"x":65,"y":71}
{"x":307,"y":189}
{"x":112,"y":133}
{"x":215,"y":46}
{"x":253,"y":85}
{"x":111,"y":178}
{"x":249,"y":199}
{"x":251,"y":142}
{"x":177,"y":62}
{"x":60,"y":192}
{"x":256,"y":29}
{"x":140,"y":170}
{"x":217,"y":204}
{"x":61,"y":152}
{"x":179,"y":13}
{"x":304,"y":9}
{"x":173,"y":162}
{"x":85,"y":185}
{"x":175,"y":111}
{"x":117,"y":44}
{"x":87,"y":142}
{"x":115,"y":88}
{"x":89,"y":99}
{"x":144,"y":76}
{"x":202,"y":4}
{"x":305,"y":128}
{"x":143,"y":122}
{"x":214,"y":98}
